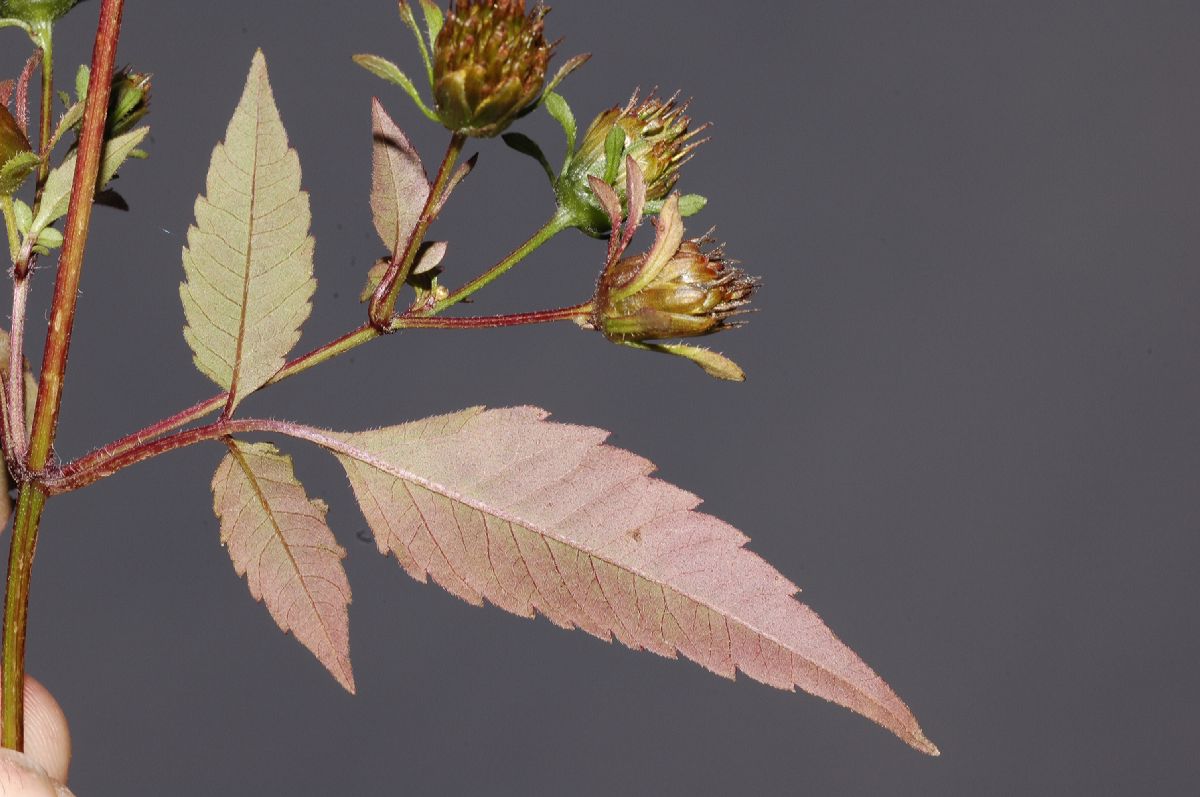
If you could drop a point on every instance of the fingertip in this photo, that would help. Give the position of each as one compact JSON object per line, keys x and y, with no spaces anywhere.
{"x":47,"y":738}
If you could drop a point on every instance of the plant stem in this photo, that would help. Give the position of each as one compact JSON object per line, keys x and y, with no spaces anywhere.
{"x":383,"y":302}
{"x":494,"y":321}
{"x":16,"y":612}
{"x":351,"y":340}
{"x":58,"y":337}
{"x":45,"y":34}
{"x":197,"y":411}
{"x":15,"y":379}
{"x":558,"y":222}
{"x":70,"y":479}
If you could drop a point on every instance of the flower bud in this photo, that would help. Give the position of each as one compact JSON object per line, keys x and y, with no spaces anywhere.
{"x":35,"y":11}
{"x":489,"y":65}
{"x":657,"y":138}
{"x":12,"y":140}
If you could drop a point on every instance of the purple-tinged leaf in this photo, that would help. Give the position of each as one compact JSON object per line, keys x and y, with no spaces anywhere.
{"x":278,"y":539}
{"x":541,"y":517}
{"x":399,"y":186}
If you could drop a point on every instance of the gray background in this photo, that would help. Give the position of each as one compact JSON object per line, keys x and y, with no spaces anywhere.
{"x":971,"y":430}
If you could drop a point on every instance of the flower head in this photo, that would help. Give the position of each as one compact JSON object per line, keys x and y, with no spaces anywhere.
{"x":489,"y":64}
{"x":680,"y":288}
{"x":695,"y":292}
{"x":654,"y":133}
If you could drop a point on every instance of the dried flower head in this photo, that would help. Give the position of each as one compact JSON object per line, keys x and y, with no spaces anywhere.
{"x":489,"y":64}
{"x":678,"y":289}
{"x":695,"y":292}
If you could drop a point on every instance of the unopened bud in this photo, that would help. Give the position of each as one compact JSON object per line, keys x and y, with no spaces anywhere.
{"x":654,"y":133}
{"x":489,"y":64}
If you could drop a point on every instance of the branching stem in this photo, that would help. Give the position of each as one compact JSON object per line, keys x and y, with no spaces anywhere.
{"x":558,"y":222}
{"x":54,"y":365}
{"x":383,"y":302}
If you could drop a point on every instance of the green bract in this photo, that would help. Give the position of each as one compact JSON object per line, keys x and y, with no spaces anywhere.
{"x":35,"y":11}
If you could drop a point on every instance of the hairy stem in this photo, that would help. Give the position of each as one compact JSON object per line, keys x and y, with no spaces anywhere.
{"x":58,"y":338}
{"x":71,"y":478}
{"x":383,"y":302}
{"x":201,"y":409}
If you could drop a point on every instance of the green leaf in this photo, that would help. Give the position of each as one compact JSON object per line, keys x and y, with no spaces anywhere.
{"x":56,"y":198}
{"x":16,"y":170}
{"x":82,"y":77}
{"x":410,"y":21}
{"x":50,"y":238}
{"x":566,"y":69}
{"x":714,"y":364}
{"x":434,"y":19}
{"x":558,"y":108}
{"x":249,"y":257}
{"x":691,"y":204}
{"x":23,"y":216}
{"x":527,"y":146}
{"x":381,"y":67}
{"x":614,"y":148}
{"x":278,"y":539}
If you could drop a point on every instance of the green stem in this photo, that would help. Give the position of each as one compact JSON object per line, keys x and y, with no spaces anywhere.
{"x":58,"y":338}
{"x":558,"y":222}
{"x":16,"y":613}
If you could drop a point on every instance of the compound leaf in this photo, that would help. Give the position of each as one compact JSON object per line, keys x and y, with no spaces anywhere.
{"x":541,"y":517}
{"x":278,"y":539}
{"x":249,"y":258}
